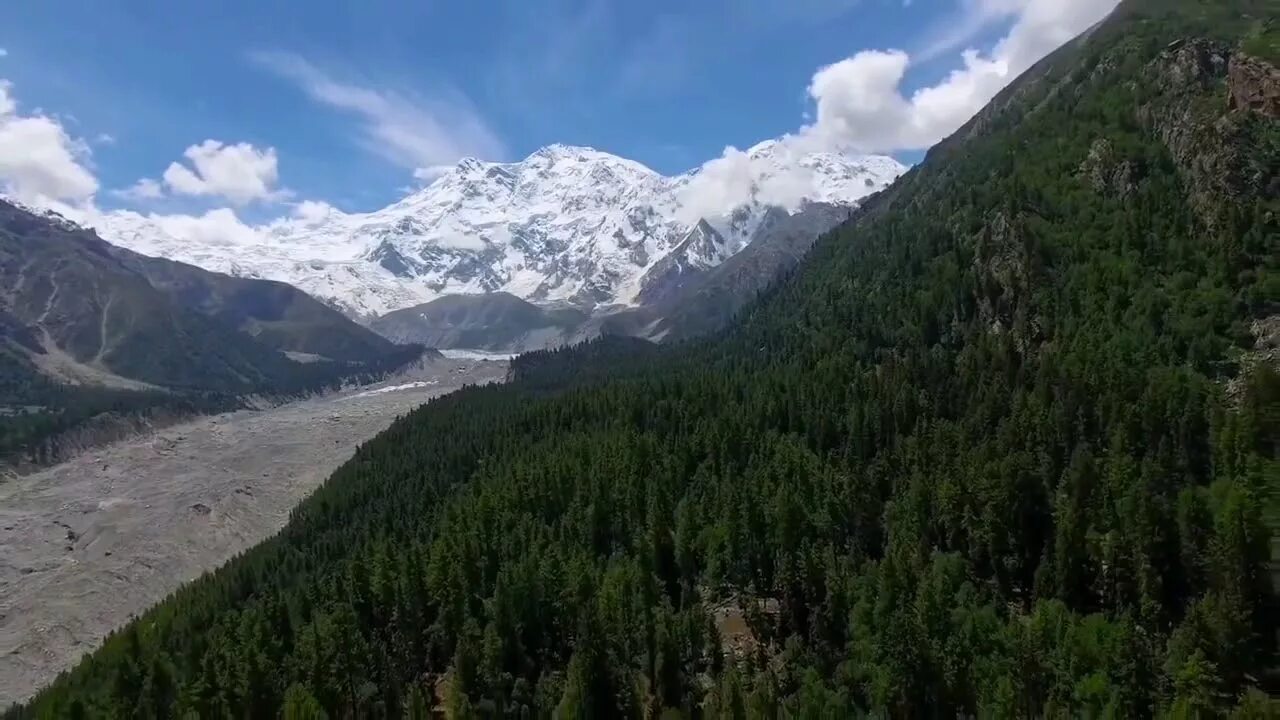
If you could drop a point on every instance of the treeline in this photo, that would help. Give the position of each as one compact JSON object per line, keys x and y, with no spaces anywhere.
{"x":999,"y":449}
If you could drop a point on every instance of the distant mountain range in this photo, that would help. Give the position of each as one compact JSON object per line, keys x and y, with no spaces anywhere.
{"x":565,"y":227}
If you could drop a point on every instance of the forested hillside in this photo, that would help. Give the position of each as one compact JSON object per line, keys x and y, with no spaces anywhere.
{"x":1005,"y":445}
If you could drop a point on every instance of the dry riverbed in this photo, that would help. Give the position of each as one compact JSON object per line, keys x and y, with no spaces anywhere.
{"x":87,"y":544}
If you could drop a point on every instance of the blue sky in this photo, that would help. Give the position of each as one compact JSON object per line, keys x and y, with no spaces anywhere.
{"x":352,"y":103}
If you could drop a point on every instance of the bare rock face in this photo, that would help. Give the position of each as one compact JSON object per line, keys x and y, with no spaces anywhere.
{"x":1265,"y":351}
{"x":1001,"y":259}
{"x":1107,"y":173}
{"x":1253,"y":84}
{"x":1190,"y":64}
{"x":1207,"y":144}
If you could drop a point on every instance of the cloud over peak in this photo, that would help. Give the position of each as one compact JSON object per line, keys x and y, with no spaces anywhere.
{"x":240,"y":173}
{"x":860,"y":105}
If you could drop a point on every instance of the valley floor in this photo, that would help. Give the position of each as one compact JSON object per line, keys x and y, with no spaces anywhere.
{"x":89,"y":543}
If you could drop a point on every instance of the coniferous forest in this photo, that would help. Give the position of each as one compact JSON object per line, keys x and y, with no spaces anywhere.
{"x":1005,"y":445}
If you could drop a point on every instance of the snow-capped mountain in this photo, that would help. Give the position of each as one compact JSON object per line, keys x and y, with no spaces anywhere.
{"x":565,"y":225}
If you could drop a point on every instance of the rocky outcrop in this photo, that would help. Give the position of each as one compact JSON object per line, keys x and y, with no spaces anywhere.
{"x":1001,"y":260}
{"x":1206,"y":140}
{"x":1106,"y":172}
{"x":1188,"y":65}
{"x":1253,"y":84}
{"x":1265,"y":351}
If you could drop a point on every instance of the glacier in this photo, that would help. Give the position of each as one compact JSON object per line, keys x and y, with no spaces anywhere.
{"x":566,"y":225}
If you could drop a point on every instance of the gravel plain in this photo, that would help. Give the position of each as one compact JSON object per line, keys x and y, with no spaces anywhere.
{"x":90,"y":543}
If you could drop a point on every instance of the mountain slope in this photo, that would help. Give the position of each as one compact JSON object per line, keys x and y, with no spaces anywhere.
{"x":500,"y":322}
{"x":565,"y":225}
{"x":975,"y":457}
{"x":71,"y":294}
{"x":780,"y":243}
{"x":275,"y":314}
{"x":692,"y":291}
{"x":91,"y":333}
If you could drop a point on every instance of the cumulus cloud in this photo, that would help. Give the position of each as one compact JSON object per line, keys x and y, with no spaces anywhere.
{"x":860,"y":106}
{"x":412,"y":132}
{"x":144,"y":189}
{"x":220,"y":226}
{"x":39,"y":161}
{"x":44,"y":166}
{"x":147,"y":233}
{"x":240,"y":173}
{"x":428,"y":175}
{"x":772,"y":172}
{"x":313,"y":212}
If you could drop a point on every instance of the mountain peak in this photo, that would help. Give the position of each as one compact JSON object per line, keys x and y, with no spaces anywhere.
{"x":568,"y":223}
{"x":558,"y":150}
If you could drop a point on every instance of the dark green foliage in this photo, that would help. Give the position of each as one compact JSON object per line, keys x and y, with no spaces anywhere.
{"x":608,"y":356}
{"x":989,"y":452}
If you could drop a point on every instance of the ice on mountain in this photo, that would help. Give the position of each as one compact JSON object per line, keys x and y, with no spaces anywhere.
{"x":566,"y":224}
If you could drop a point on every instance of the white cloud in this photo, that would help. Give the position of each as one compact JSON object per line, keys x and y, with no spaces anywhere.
{"x":771,"y":172}
{"x":4,"y":53}
{"x":150,"y":233}
{"x":313,"y":212}
{"x":428,"y":175}
{"x":240,"y":173}
{"x":39,"y":161}
{"x":105,"y":139}
{"x":215,"y":227}
{"x":43,"y":166}
{"x":144,"y":189}
{"x":860,"y":105}
{"x":412,"y":132}
{"x":957,"y":29}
